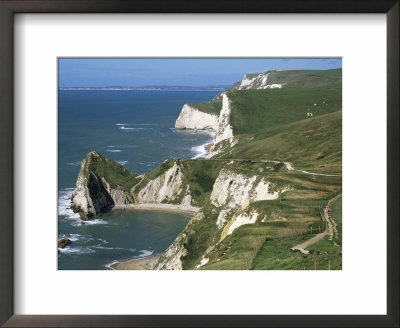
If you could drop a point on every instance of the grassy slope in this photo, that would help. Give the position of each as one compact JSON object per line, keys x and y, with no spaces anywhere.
{"x":311,"y":144}
{"x":114,"y":173}
{"x":212,"y":107}
{"x":259,"y":110}
{"x":201,"y":175}
{"x":301,"y":78}
{"x":294,"y":217}
{"x":307,"y":78}
{"x":275,"y":254}
{"x":273,"y":125}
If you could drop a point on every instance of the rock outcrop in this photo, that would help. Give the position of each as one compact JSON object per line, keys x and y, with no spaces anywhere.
{"x":62,"y":243}
{"x":192,"y":118}
{"x":165,"y":187}
{"x":256,"y":81}
{"x":233,"y":192}
{"x":94,"y":193}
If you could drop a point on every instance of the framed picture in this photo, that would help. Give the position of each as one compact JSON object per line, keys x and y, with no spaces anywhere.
{"x":182,"y":165}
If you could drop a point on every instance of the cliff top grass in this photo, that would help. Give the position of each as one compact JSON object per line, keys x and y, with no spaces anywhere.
{"x":331,"y":78}
{"x":115,"y":174}
{"x":259,"y":110}
{"x":212,"y":107}
{"x":200,"y":175}
{"x":307,"y":78}
{"x":310,"y":144}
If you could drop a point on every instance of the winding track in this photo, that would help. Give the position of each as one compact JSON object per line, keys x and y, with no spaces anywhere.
{"x":289,"y":166}
{"x":330,"y":230}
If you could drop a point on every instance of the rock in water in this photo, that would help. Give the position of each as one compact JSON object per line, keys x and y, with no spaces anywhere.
{"x":101,"y":185}
{"x":64,"y":242}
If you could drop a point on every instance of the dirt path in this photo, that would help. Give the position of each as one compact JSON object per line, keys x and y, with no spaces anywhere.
{"x":322,"y":174}
{"x":289,"y":166}
{"x":330,"y":230}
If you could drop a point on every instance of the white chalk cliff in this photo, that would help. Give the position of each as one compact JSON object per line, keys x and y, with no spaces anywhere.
{"x":192,"y":118}
{"x":233,"y":191}
{"x":93,"y":194}
{"x":231,"y":195}
{"x":163,"y":188}
{"x":256,"y":81}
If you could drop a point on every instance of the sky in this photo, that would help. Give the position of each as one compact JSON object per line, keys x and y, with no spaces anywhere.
{"x":135,"y":72}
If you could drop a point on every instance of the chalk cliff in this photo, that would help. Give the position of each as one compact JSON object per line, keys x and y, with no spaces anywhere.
{"x":192,"y":118}
{"x":96,"y":189}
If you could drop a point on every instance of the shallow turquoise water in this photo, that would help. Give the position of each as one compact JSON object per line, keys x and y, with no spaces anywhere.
{"x":134,"y":128}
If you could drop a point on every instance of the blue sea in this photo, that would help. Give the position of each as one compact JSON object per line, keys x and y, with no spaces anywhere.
{"x":136,"y":129}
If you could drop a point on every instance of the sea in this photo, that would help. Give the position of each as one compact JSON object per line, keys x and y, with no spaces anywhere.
{"x":136,"y":129}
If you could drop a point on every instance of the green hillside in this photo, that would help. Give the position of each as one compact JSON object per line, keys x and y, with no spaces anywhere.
{"x":311,"y":144}
{"x":114,"y":173}
{"x":282,"y":167}
{"x":211,"y":107}
{"x":259,"y":110}
{"x":307,"y":78}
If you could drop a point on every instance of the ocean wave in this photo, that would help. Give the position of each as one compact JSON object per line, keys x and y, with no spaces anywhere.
{"x":64,"y":209}
{"x":113,"y":248}
{"x":122,"y":146}
{"x":122,"y":162}
{"x":138,"y":124}
{"x":76,"y":237}
{"x":77,"y":163}
{"x":113,"y":150}
{"x":90,"y":222}
{"x":64,"y":204}
{"x":133,"y":129}
{"x":109,"y":265}
{"x":145,"y":253}
{"x":201,"y":151}
{"x":76,"y":250}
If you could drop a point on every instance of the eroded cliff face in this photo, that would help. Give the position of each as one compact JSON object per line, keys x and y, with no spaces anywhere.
{"x":192,"y":118}
{"x":231,"y":196}
{"x":164,"y":188}
{"x":171,"y":259}
{"x":103,"y":184}
{"x":224,"y":130}
{"x":233,"y":192}
{"x":256,"y":81}
{"x":93,"y":194}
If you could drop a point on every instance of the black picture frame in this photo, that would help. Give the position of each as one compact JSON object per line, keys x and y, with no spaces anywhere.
{"x":10,"y":7}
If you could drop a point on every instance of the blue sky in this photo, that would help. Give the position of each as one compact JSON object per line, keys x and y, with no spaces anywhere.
{"x":101,"y":72}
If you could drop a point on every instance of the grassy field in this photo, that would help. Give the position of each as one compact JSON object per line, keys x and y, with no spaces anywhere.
{"x":212,"y":107}
{"x":115,"y":174}
{"x":275,"y":254}
{"x":300,"y":124}
{"x":259,"y":110}
{"x":307,"y":78}
{"x":311,"y":144}
{"x":285,"y":221}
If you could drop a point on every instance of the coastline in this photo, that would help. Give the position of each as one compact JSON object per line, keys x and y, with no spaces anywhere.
{"x":135,"y":264}
{"x":168,"y":208}
{"x":204,"y":150}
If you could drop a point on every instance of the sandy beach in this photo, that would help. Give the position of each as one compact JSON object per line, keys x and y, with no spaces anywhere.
{"x":170,"y":208}
{"x":137,"y":264}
